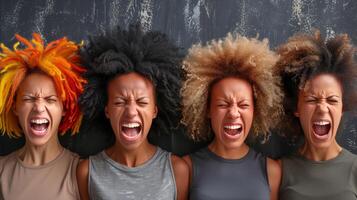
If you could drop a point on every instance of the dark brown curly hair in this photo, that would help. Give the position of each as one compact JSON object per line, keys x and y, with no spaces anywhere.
{"x":303,"y":57}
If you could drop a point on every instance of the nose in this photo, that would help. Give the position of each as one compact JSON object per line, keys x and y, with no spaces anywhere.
{"x":39,"y":107}
{"x":131,"y":110}
{"x":234,"y":112}
{"x":322,"y":107}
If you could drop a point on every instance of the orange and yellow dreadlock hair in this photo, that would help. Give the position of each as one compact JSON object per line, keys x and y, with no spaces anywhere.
{"x":59,"y":60}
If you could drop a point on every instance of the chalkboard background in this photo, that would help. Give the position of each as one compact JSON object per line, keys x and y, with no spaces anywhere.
{"x":186,"y":22}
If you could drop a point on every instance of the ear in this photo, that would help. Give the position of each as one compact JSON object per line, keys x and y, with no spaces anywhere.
{"x":14,"y":109}
{"x":297,"y":114}
{"x":156,"y":110}
{"x":106,"y":112}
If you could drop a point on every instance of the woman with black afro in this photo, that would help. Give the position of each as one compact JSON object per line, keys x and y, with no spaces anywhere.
{"x":319,"y":80}
{"x":134,"y":79}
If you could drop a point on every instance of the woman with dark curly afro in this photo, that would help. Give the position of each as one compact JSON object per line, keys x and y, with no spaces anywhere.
{"x":319,"y":83}
{"x":134,"y":79}
{"x":40,"y":86}
{"x":230,"y":92}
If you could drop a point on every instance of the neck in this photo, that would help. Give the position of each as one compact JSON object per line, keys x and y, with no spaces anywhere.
{"x":228,"y":153}
{"x":321,"y":154}
{"x":131,"y":157}
{"x":40,"y":155}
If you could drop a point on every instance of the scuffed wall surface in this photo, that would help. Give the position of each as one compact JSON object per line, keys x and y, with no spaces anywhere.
{"x":186,"y":22}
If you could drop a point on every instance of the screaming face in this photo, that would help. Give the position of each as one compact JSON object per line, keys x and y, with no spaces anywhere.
{"x":320,"y":110}
{"x":38,"y":109}
{"x":231,"y":111}
{"x":131,"y":108}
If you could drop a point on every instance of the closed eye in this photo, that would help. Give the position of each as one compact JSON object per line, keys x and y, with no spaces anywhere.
{"x":333,"y":101}
{"x":244,"y":106}
{"x":143,"y":103}
{"x":119,"y":103}
{"x":51,"y":99}
{"x":311,"y":100}
{"x":28,"y":99}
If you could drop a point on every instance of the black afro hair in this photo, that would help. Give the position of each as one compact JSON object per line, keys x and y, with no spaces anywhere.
{"x":149,"y":54}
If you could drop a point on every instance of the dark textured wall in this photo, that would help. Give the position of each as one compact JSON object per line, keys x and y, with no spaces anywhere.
{"x":186,"y":22}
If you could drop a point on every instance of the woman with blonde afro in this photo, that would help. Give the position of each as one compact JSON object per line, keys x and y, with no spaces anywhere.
{"x":40,"y":86}
{"x":230,"y":93}
{"x":319,"y":79}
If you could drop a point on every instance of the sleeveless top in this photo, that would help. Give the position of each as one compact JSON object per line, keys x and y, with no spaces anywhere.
{"x":333,"y":179}
{"x":53,"y":180}
{"x":152,"y":180}
{"x":214,"y":177}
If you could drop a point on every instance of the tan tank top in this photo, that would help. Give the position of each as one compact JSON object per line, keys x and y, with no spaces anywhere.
{"x":54,"y":180}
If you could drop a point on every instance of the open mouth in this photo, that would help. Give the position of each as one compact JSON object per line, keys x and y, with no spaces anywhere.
{"x":39,"y":127}
{"x":321,"y":128}
{"x":131,"y":131}
{"x":233,"y":130}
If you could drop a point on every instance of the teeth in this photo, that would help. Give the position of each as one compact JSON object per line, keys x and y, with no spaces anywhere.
{"x":321,"y":123}
{"x":39,"y":121}
{"x":233,"y":127}
{"x":131,"y":125}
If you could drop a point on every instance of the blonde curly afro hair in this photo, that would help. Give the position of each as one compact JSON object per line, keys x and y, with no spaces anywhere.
{"x":238,"y":56}
{"x":303,"y":57}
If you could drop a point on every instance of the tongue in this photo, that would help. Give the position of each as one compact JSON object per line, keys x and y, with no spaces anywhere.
{"x":39,"y":127}
{"x":131,"y":132}
{"x":231,"y":131}
{"x":321,"y":129}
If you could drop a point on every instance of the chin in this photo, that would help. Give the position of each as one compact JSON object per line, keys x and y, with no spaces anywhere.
{"x":37,"y":142}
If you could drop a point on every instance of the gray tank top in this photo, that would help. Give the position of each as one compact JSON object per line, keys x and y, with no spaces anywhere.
{"x":217,"y":178}
{"x":152,"y":180}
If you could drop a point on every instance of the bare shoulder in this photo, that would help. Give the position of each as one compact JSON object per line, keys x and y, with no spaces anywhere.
{"x":274,"y":177}
{"x":83,"y":168}
{"x":181,"y":173}
{"x":273,"y":166}
{"x":82,"y":178}
{"x":274,"y":171}
{"x":188,"y":161}
{"x":178,"y":164}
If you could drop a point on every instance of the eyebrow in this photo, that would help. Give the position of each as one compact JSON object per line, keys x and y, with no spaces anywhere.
{"x":123,"y":97}
{"x":51,"y":96}
{"x":142,"y":98}
{"x":228,"y":101}
{"x":313,"y":96}
{"x":35,"y":96}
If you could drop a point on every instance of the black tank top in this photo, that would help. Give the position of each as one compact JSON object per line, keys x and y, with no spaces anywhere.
{"x":214,"y":177}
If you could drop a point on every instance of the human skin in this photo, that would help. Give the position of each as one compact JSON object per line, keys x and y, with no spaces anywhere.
{"x":39,"y":111}
{"x":319,"y":110}
{"x":231,"y":112}
{"x":131,"y":108}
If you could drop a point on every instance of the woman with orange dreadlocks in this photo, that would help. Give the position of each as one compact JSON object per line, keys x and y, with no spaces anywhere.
{"x":39,"y":88}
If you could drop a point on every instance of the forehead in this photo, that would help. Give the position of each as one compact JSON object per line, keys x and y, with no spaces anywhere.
{"x":326,"y":83}
{"x":37,"y":82}
{"x":131,"y":82}
{"x":232,"y":87}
